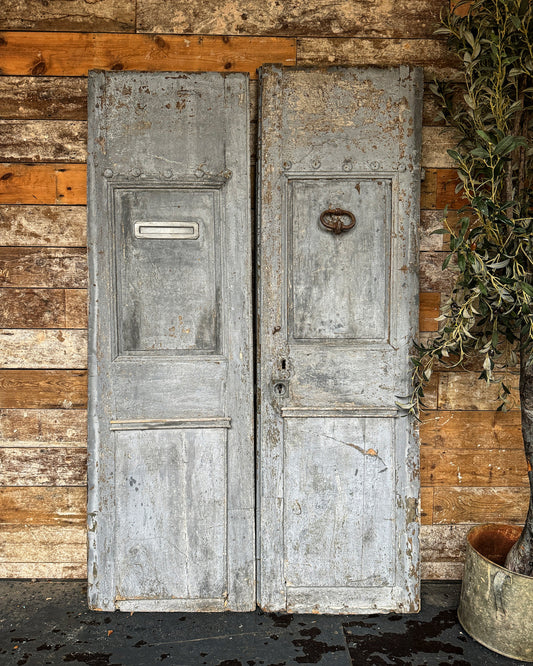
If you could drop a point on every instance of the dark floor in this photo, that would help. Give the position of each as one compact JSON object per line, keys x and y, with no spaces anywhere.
{"x":47,"y":622}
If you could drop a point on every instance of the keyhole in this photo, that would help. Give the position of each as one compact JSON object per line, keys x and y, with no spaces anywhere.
{"x":280,"y":389}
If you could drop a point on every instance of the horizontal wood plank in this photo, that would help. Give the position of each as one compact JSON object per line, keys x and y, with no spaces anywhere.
{"x":464,"y":391}
{"x":43,"y":97}
{"x":32,"y":308}
{"x":431,"y":392}
{"x":432,"y":277}
{"x":43,"y":543}
{"x":436,"y":141}
{"x":43,"y":428}
{"x":438,"y":190}
{"x":66,"y":141}
{"x":73,"y":54}
{"x":480,"y":505}
{"x":116,"y":16}
{"x":43,"y":389}
{"x":429,"y":310}
{"x":59,"y":226}
{"x":471,"y":430}
{"x":300,"y":17}
{"x":43,"y":348}
{"x":43,"y":183}
{"x":489,"y":467}
{"x":43,"y":570}
{"x":43,"y":141}
{"x":43,"y":506}
{"x":431,"y":54}
{"x":430,"y":220}
{"x":43,"y":267}
{"x":76,"y":308}
{"x":426,"y":506}
{"x":441,"y":570}
{"x":443,"y":543}
{"x":43,"y":308}
{"x":48,"y":466}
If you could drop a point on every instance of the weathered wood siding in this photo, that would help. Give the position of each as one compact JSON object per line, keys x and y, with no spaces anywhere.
{"x":472,"y":466}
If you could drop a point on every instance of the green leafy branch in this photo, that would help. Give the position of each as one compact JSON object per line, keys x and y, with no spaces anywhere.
{"x":489,"y":314}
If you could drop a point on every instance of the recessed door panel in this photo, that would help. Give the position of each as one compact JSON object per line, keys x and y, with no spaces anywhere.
{"x":176,"y":548}
{"x":161,"y":309}
{"x":336,"y":292}
{"x":338,"y":479}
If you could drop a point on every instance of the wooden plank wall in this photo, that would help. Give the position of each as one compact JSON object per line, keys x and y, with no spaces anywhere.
{"x":472,"y":464}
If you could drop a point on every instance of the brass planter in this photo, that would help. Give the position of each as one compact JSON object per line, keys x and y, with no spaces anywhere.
{"x":496,"y":606}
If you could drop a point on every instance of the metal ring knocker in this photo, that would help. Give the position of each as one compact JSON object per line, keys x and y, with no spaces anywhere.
{"x":332,"y":220}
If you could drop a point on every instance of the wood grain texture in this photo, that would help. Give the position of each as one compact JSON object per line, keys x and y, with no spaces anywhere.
{"x":438,"y":190}
{"x":115,"y":16}
{"x":436,"y":141}
{"x":430,"y":220}
{"x":431,"y":54}
{"x":43,"y":570}
{"x":471,"y":430}
{"x":43,"y":183}
{"x":490,"y":467}
{"x":441,"y":570}
{"x":73,"y":54}
{"x":480,"y":505}
{"x":443,"y":543}
{"x":43,"y":506}
{"x":43,"y":389}
{"x":43,"y":428}
{"x":426,"y":506}
{"x":43,"y":97}
{"x":43,"y":348}
{"x":43,"y":267}
{"x":404,"y":18}
{"x":43,"y":141}
{"x":432,"y":277}
{"x":43,"y":543}
{"x":76,"y":308}
{"x":48,"y":466}
{"x":59,"y":226}
{"x":429,"y":310}
{"x":43,"y":308}
{"x":464,"y":391}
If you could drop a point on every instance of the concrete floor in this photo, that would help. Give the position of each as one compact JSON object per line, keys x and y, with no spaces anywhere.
{"x":47,"y":622}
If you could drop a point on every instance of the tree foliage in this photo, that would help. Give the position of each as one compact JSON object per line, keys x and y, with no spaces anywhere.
{"x":490,"y":310}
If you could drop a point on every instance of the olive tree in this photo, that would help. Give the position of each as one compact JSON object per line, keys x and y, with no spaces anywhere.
{"x":489,"y":315}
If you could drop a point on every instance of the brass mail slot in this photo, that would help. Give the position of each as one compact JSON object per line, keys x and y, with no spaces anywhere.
{"x":160,"y":230}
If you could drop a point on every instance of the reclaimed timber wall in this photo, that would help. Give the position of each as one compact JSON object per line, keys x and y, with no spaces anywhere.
{"x":472,"y":466}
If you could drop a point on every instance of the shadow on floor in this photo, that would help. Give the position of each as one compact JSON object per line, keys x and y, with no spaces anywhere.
{"x":47,"y":622}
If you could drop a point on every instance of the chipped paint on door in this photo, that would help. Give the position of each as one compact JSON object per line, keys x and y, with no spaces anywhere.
{"x":171,"y":449}
{"x":338,"y":291}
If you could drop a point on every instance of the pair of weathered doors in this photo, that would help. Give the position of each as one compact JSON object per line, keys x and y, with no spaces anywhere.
{"x":190,"y":506}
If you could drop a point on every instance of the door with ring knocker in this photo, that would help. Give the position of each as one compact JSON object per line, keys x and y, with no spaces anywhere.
{"x":205,"y":493}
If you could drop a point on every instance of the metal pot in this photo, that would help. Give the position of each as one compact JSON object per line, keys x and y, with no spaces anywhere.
{"x":496,"y":606}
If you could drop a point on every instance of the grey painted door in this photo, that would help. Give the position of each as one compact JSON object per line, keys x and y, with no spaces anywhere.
{"x":339,"y":194}
{"x":171,"y":450}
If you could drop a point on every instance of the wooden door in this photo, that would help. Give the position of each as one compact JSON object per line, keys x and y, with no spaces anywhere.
{"x":339,"y":198}
{"x":171,"y":449}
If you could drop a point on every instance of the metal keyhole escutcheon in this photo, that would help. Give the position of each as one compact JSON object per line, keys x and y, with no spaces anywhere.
{"x":334,"y":219}
{"x":280,"y":389}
